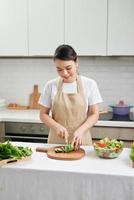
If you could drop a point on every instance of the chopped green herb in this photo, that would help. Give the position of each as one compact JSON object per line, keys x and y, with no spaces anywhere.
{"x":7,"y":150}
{"x":65,"y":149}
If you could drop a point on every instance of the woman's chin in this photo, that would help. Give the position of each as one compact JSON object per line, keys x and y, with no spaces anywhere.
{"x":69,"y":79}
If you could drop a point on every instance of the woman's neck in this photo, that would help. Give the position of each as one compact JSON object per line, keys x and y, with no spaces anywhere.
{"x":71,"y":80}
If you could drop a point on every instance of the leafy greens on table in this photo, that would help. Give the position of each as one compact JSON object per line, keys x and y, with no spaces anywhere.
{"x":7,"y":150}
{"x":132,"y":152}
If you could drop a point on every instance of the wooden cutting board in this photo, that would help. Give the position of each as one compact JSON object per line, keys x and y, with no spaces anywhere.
{"x":12,"y":160}
{"x":34,"y":97}
{"x":15,"y":106}
{"x":74,"y":155}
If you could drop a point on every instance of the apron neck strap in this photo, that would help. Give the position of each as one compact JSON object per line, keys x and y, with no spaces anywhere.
{"x":79,"y":85}
{"x":59,"y":85}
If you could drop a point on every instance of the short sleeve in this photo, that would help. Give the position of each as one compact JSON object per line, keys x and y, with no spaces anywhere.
{"x":45,"y":98}
{"x":95,"y":96}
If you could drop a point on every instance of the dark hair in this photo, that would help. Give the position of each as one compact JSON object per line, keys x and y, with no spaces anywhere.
{"x":65,"y":52}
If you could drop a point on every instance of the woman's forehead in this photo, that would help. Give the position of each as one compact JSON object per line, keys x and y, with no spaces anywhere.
{"x":63,"y":63}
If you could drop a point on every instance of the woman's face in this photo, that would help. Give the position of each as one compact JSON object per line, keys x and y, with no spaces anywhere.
{"x":67,"y":69}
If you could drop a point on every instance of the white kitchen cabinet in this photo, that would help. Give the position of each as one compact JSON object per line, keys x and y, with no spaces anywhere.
{"x":86,"y":26}
{"x":46,"y":26}
{"x":13,"y":28}
{"x":121,"y":27}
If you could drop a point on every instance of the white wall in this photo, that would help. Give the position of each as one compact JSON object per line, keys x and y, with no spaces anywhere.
{"x":114,"y":75}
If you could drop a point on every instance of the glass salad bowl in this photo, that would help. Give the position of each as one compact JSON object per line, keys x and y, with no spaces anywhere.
{"x":108,"y":148}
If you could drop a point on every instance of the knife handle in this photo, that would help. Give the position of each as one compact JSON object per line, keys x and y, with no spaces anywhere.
{"x":10,"y":161}
{"x":42,"y":149}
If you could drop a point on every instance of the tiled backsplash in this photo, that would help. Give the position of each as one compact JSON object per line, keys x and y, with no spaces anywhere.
{"x":114,"y":75}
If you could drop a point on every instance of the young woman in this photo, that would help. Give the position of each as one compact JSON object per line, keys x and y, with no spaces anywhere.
{"x":73,"y":100}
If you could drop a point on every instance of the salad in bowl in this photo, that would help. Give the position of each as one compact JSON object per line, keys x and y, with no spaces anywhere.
{"x":108,"y":148}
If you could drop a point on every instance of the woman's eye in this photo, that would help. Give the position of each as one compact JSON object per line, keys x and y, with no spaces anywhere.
{"x":69,"y":68}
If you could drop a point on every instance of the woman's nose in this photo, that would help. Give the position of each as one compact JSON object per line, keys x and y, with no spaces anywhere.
{"x":65,"y":72}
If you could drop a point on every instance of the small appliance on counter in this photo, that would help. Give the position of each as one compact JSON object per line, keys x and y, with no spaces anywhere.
{"x":121,"y":108}
{"x":119,"y":112}
{"x":117,"y":117}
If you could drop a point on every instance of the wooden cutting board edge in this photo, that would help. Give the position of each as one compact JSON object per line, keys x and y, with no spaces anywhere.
{"x":74,"y":155}
{"x":13,"y":160}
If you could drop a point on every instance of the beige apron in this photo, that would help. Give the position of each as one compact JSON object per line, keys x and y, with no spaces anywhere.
{"x":69,"y":110}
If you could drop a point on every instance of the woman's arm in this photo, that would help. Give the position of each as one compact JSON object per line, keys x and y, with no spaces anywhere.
{"x":51,"y":123}
{"x":92,"y":118}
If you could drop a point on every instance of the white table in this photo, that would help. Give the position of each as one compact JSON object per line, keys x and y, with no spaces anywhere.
{"x":90,"y":178}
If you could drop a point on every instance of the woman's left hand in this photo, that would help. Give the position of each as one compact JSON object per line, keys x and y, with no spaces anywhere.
{"x":77,"y":140}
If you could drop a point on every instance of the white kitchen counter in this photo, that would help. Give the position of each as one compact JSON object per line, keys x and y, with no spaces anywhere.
{"x":8,"y":115}
{"x":88,"y":178}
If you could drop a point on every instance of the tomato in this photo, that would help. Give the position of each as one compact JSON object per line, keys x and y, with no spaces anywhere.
{"x":101,"y":144}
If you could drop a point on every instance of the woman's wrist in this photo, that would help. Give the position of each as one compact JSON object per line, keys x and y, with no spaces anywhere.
{"x":56,"y":126}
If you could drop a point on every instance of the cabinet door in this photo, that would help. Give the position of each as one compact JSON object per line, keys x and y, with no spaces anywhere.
{"x":85,"y":26}
{"x":13,"y":27}
{"x":46,"y":26}
{"x":121,"y":27}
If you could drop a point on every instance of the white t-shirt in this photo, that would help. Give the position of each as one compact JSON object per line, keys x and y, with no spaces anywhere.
{"x":91,"y":91}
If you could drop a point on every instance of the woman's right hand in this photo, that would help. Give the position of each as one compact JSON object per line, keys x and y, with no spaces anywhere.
{"x":61,"y":131}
